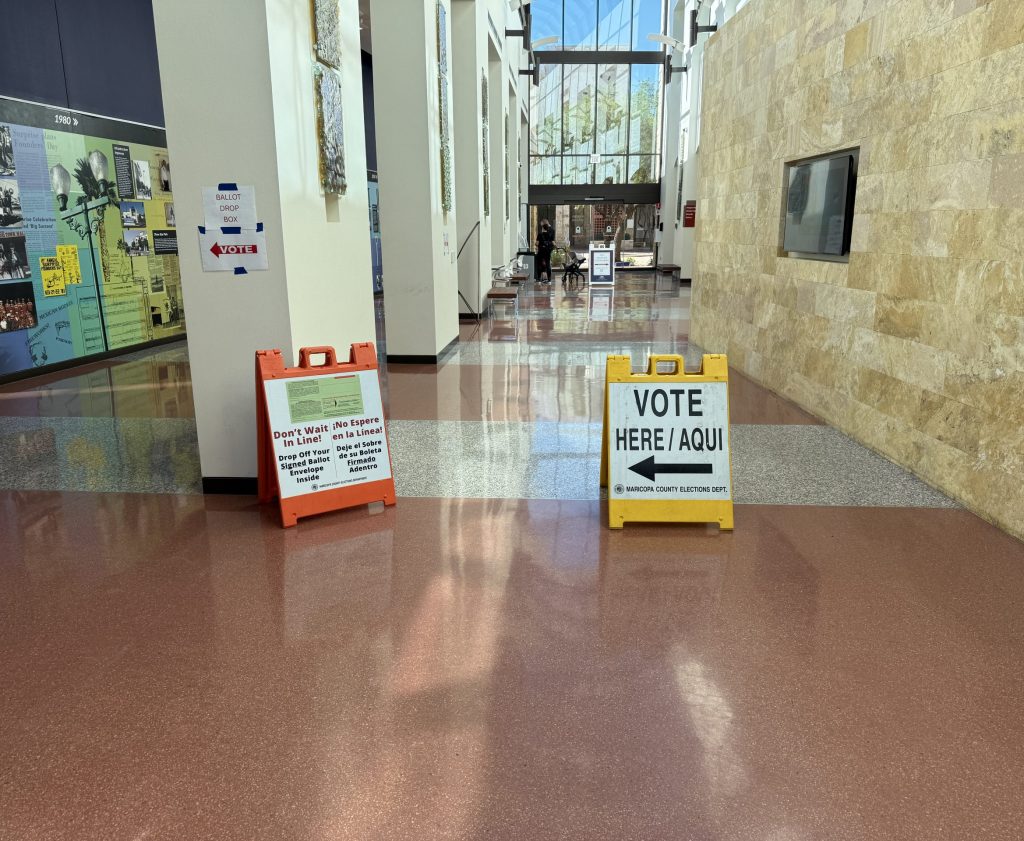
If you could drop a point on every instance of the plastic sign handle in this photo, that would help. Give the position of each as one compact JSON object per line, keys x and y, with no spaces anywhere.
{"x":677,"y":362}
{"x":329,"y":357}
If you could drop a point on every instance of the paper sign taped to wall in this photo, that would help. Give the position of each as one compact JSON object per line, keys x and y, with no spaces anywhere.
{"x":233,"y":250}
{"x":229,"y":205}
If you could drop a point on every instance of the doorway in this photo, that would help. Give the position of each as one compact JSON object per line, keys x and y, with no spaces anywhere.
{"x":629,"y":228}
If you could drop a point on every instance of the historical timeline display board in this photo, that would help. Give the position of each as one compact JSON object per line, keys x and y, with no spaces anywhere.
{"x":88,"y":248}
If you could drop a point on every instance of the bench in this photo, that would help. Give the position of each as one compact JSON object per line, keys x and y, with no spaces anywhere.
{"x":503,"y":293}
{"x":673,"y":270}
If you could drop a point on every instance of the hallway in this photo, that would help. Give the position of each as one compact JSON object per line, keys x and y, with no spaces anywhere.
{"x":487,"y":659}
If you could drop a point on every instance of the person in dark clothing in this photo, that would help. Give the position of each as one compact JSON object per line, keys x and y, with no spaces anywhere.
{"x":545,"y":245}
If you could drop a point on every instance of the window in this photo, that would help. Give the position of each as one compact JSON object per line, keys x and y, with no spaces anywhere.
{"x":612,"y":108}
{"x":578,"y":89}
{"x":579,"y":25}
{"x":597,"y":24}
{"x":611,"y":170}
{"x":576,"y":169}
{"x":546,"y":22}
{"x":644,"y":99}
{"x":614,"y":25}
{"x":545,"y":170}
{"x":643,"y":169}
{"x":646,"y":21}
{"x":609,"y":110}
{"x":546,"y":112}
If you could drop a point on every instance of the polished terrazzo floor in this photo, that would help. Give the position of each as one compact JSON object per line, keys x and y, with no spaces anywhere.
{"x":486,"y":660}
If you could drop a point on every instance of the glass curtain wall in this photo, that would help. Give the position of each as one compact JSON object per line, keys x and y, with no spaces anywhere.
{"x":609,"y":110}
{"x":596,"y":123}
{"x":596,"y":24}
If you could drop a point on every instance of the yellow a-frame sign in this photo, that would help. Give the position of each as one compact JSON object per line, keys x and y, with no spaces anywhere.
{"x":665,"y":447}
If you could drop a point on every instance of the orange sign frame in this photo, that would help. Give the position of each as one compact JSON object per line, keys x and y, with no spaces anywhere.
{"x":270,"y":366}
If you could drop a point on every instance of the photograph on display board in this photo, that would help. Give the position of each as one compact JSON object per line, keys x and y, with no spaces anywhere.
{"x":14,"y":264}
{"x":6,"y":151}
{"x":136,"y":243}
{"x":169,"y":214}
{"x":10,"y":204}
{"x":133,"y":214}
{"x":143,"y":180}
{"x":164,"y":170}
{"x":17,"y":307}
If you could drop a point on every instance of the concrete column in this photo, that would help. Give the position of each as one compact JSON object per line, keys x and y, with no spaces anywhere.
{"x":419,"y":239}
{"x":671,"y":153}
{"x":524,"y":170}
{"x":676,"y":103}
{"x":684,"y":240}
{"x":238,"y":98}
{"x":498,"y":106}
{"x":469,"y":53}
{"x":511,"y":163}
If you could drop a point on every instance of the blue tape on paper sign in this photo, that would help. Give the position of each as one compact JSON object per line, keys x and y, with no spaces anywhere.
{"x":231,"y":230}
{"x":240,"y":270}
{"x":202,"y":229}
{"x":259,"y":227}
{"x":228,"y":186}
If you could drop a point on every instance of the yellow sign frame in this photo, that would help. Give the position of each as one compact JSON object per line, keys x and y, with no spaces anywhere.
{"x":619,"y":369}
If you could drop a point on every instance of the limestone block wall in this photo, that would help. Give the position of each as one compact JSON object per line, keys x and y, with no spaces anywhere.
{"x":916,"y":346}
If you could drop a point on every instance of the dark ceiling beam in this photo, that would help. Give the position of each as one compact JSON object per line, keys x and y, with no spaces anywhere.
{"x":599,"y":57}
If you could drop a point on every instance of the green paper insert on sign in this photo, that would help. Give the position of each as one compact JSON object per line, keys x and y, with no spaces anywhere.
{"x":324,"y":397}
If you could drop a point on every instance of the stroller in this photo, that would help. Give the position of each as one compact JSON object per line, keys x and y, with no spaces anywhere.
{"x":572,"y":278}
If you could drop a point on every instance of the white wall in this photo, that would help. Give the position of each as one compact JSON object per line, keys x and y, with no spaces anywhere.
{"x":255,"y":127}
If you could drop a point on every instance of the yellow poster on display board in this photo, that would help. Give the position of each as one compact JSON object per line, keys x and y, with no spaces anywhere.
{"x":665,"y":447}
{"x":68,"y":256}
{"x":54,"y":283}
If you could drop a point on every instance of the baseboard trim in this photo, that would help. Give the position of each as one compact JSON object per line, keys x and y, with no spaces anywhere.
{"x":427,"y":359}
{"x":238,"y":485}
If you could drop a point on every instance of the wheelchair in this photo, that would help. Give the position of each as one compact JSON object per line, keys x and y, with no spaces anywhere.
{"x":572,"y":276}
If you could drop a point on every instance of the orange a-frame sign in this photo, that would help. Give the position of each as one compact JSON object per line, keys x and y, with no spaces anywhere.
{"x":321,"y":439}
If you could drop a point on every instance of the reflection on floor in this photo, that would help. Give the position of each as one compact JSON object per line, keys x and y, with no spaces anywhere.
{"x":486,"y":661}
{"x":518,"y":402}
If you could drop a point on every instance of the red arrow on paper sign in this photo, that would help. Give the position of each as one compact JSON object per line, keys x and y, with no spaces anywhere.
{"x":217,"y":249}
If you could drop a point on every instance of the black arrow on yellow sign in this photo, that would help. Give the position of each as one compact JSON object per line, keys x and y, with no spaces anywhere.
{"x":649,"y":468}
